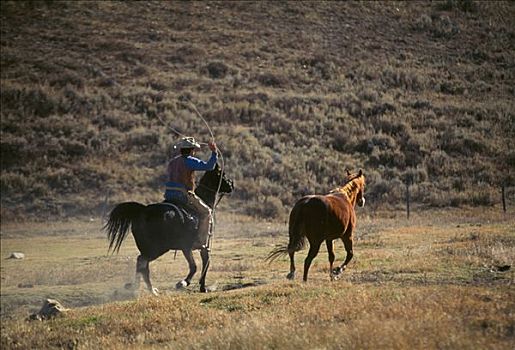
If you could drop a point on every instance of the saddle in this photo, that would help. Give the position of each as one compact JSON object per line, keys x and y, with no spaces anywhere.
{"x":182,"y":213}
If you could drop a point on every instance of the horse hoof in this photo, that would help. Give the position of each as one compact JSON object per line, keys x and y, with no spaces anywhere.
{"x":155,"y":292}
{"x":181,"y":285}
{"x":290,"y":276}
{"x":337,"y":271}
{"x":203,"y":290}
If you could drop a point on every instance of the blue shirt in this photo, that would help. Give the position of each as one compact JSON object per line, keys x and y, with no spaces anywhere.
{"x":196,"y":164}
{"x":176,"y":191}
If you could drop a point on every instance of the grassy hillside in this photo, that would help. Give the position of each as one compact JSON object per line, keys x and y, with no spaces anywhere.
{"x":296,"y":92}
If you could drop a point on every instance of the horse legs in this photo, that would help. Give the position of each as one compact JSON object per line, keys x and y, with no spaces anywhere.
{"x":204,"y":254}
{"x":347,"y":242}
{"x":330,"y":252}
{"x":188,"y":254}
{"x":313,"y":251}
{"x":291,"y":275}
{"x":142,"y":269}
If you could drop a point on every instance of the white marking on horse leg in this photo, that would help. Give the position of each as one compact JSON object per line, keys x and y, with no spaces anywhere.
{"x":181,"y":284}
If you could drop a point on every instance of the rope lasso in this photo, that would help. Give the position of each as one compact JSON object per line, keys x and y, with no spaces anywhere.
{"x":219,"y":152}
{"x":222,"y":167}
{"x":222,"y":163}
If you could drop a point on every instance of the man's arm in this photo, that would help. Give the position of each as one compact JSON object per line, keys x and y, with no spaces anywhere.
{"x":199,"y":165}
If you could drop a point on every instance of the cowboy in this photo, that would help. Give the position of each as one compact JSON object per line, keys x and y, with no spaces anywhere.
{"x":180,"y":183}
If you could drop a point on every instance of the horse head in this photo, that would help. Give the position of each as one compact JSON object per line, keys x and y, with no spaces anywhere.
{"x":213,"y":182}
{"x":227,"y":185}
{"x":359,"y":180}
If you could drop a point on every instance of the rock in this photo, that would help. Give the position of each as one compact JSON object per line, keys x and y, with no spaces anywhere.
{"x":16,"y":255}
{"x":50,"y":309}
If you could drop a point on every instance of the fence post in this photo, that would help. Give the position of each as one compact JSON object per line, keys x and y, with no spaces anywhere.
{"x":407,"y":198}
{"x":503,"y":198}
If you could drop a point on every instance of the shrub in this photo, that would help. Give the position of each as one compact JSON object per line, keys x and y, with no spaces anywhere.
{"x":319,"y":65}
{"x":412,"y":152}
{"x":423,"y":23}
{"x":277,"y":124}
{"x":390,"y":125}
{"x":67,"y":78}
{"x":461,"y":5}
{"x":438,"y":163}
{"x":14,"y":150}
{"x":378,"y":141}
{"x":456,"y":142}
{"x":402,"y":78}
{"x":444,"y":27}
{"x":36,"y":101}
{"x":368,"y":94}
{"x":481,"y":199}
{"x":142,"y":139}
{"x":271,"y":208}
{"x":187,"y":54}
{"x":14,"y":183}
{"x":271,"y":80}
{"x":384,"y":192}
{"x":73,"y":148}
{"x":414,"y":175}
{"x":388,"y":158}
{"x":140,"y":71}
{"x":61,"y":179}
{"x":451,"y":87}
{"x":216,"y":70}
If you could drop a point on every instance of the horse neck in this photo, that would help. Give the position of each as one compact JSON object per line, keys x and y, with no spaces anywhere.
{"x":206,"y":195}
{"x":350,"y":190}
{"x":205,"y":192}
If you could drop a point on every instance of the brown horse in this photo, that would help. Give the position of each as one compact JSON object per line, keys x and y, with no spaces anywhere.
{"x":324,"y":218}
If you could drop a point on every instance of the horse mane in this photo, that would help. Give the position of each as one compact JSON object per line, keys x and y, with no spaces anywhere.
{"x":349,"y":187}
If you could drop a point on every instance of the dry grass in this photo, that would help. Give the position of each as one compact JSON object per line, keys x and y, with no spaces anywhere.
{"x":431,"y":282}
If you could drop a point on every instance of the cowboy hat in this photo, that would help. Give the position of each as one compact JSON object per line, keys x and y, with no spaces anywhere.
{"x":187,"y":142}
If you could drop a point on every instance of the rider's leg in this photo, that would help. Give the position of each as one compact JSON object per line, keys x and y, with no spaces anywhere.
{"x":204,"y":213}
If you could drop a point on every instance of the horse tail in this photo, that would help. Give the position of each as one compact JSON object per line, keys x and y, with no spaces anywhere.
{"x":297,"y":236}
{"x":276,"y":253}
{"x":120,"y":219}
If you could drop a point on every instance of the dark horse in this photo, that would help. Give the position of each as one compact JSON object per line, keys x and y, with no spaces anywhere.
{"x":324,"y":218}
{"x":160,"y":227}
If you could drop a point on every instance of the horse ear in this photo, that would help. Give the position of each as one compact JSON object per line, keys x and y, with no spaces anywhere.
{"x":360,"y":172}
{"x":348,"y":172}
